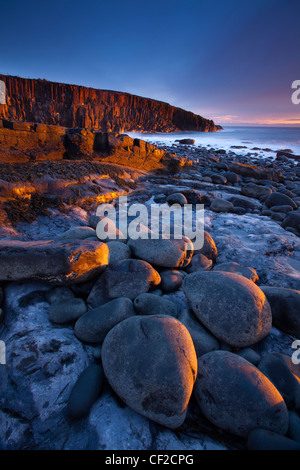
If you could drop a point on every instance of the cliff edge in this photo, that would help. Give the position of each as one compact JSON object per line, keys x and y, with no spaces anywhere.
{"x":71,"y":106}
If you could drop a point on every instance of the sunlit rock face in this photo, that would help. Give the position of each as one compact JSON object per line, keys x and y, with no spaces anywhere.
{"x":231,"y":306}
{"x":150,"y":362}
{"x":237,"y":397}
{"x":57,"y":262}
{"x":77,"y":106}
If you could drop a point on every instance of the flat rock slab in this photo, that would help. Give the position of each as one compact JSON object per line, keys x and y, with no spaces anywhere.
{"x":55,"y":262}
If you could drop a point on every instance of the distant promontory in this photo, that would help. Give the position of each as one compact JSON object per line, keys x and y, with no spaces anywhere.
{"x":73,"y":106}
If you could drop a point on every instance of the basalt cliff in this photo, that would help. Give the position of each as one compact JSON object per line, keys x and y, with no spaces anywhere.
{"x":71,"y":106}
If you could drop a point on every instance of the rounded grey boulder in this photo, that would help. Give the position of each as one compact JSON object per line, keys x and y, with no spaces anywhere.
{"x":118,"y":251}
{"x":150,"y":362}
{"x":234,"y":309}
{"x":85,"y":392}
{"x":150,"y":304}
{"x":163,"y":252}
{"x":94,"y":325}
{"x":67,"y":310}
{"x":177,"y":198}
{"x":129,"y":278}
{"x":235,"y":396}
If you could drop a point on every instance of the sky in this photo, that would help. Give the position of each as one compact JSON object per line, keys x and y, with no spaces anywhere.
{"x":231,"y":61}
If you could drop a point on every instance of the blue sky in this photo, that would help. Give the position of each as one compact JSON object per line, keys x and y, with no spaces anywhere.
{"x":231,"y":61}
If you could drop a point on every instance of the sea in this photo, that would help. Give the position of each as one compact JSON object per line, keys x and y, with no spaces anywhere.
{"x":267,"y":139}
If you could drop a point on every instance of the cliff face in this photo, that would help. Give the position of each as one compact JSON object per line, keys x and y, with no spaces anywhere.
{"x":73,"y":106}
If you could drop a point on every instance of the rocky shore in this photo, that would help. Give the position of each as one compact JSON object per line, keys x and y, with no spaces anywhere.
{"x":151,"y":346}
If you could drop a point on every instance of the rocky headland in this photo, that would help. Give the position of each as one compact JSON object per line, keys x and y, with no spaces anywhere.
{"x":123,"y":344}
{"x":44,"y":102}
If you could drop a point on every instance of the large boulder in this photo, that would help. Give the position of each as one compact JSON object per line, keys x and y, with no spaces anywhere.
{"x":279,"y":199}
{"x":126,"y":278}
{"x":255,"y":190}
{"x":285,"y":307}
{"x":235,"y":396}
{"x":56,"y":262}
{"x":163,"y":252}
{"x":150,"y":362}
{"x":231,"y":306}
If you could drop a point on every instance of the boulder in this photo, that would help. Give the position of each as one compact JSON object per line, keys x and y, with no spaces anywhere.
{"x":85,"y":392}
{"x":256,"y":191}
{"x":150,"y":362}
{"x":233,"y":267}
{"x":203,"y":340}
{"x":67,"y":310}
{"x":221,"y":205}
{"x":177,"y":198}
{"x":199,"y":262}
{"x":55,"y":262}
{"x":236,"y":397}
{"x":171,"y":280}
{"x":150,"y":304}
{"x":279,"y":199}
{"x":232,"y":307}
{"x":285,"y":307}
{"x":292,"y":220}
{"x":209,"y":248}
{"x":163,"y":252}
{"x":118,"y":251}
{"x":129,"y":278}
{"x":93,"y":326}
{"x":285,"y":376}
{"x":78,"y":233}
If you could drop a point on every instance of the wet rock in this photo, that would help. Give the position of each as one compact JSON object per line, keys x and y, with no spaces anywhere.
{"x":94,"y":325}
{"x":218,"y":179}
{"x":294,"y":426}
{"x":150,"y":362}
{"x":85,"y":392}
{"x":67,"y":310}
{"x":232,"y":307}
{"x":292,"y":220}
{"x":235,"y":396}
